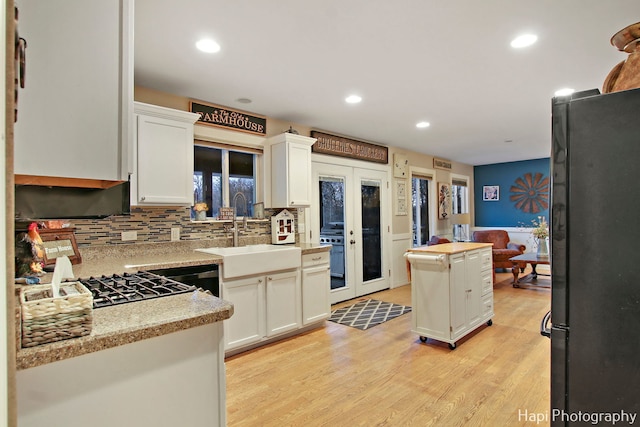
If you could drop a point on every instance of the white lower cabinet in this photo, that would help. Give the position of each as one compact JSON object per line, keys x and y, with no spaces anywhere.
{"x":247,"y":325}
{"x":176,"y":379}
{"x":451,"y":292}
{"x":263,"y":306}
{"x":316,"y":283}
{"x":277,"y":304}
{"x":283,"y":302}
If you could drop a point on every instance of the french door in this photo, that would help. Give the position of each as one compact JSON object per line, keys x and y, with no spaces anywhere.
{"x":352,"y":207}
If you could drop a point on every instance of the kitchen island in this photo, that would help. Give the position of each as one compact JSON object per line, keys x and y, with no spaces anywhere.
{"x":451,"y":290}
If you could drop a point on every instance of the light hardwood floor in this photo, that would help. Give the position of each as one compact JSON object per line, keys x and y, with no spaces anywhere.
{"x":341,"y":376}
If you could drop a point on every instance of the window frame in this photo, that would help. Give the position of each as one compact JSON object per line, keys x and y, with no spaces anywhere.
{"x":225,"y":174}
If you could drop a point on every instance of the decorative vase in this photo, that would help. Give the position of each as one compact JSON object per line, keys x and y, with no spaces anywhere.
{"x":201,"y":215}
{"x":543,"y":248}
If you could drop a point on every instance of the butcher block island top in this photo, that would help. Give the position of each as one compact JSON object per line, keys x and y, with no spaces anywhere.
{"x":450,"y":248}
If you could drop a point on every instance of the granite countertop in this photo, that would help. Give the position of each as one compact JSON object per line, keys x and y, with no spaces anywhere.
{"x":128,"y":323}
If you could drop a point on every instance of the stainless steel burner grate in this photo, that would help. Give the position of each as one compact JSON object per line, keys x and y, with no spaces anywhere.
{"x":120,"y":289}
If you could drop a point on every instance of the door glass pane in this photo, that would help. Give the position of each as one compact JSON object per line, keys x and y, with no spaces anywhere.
{"x":332,"y":226}
{"x":420,"y":211}
{"x":371,"y":232}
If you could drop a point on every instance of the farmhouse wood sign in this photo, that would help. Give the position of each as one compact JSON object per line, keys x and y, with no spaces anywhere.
{"x":228,"y":118}
{"x":345,"y":147}
{"x":441,"y":164}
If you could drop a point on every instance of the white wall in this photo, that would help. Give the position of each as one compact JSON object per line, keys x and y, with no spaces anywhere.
{"x":401,"y":242}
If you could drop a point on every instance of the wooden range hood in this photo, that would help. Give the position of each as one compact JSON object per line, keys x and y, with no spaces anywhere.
{"x":57,"y":181}
{"x":48,"y":197}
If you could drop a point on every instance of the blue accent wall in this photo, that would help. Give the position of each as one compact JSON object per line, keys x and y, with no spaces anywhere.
{"x":524,"y":187}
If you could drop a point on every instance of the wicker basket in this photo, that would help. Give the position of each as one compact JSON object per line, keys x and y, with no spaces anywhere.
{"x":46,"y":319}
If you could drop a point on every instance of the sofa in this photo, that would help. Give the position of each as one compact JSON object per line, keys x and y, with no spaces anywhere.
{"x":435,"y":240}
{"x":502,"y":249}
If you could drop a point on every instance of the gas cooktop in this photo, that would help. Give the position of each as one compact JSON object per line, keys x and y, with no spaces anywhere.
{"x":120,"y":289}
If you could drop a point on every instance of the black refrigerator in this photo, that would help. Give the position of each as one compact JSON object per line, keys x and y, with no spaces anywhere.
{"x":595,"y":264}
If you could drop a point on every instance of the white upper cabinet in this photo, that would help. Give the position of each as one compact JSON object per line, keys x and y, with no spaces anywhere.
{"x":163,"y":156}
{"x":74,"y":114}
{"x":288,"y":171}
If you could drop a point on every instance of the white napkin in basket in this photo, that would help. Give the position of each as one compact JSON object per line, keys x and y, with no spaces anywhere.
{"x":62,"y":270}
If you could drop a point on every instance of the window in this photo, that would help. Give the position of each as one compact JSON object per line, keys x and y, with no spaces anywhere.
{"x":219,"y":174}
{"x":420,"y":210}
{"x":460,"y":205}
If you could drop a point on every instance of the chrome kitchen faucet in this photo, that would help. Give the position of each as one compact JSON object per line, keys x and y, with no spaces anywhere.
{"x":235,"y":213}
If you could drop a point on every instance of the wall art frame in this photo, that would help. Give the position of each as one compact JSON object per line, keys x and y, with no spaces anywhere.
{"x":401,"y":197}
{"x":490,"y":193}
{"x":444,"y":200}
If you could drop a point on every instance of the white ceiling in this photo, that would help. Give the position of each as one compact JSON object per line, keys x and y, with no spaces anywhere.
{"x":445,"y":62}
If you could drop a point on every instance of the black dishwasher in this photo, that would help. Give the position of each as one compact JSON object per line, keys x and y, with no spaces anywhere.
{"x":200,"y":276}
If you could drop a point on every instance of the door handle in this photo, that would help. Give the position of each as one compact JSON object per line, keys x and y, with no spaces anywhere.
{"x":544,"y":330}
{"x":352,"y":241}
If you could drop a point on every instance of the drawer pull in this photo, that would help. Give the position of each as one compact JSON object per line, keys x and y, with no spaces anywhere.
{"x":316,"y":259}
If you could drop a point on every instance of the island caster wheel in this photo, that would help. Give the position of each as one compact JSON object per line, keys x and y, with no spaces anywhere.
{"x":489,"y":322}
{"x":452,"y":346}
{"x":423,"y":339}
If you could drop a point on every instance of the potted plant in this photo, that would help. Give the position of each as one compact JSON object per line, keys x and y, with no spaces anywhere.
{"x":540,"y":233}
{"x":201,"y":211}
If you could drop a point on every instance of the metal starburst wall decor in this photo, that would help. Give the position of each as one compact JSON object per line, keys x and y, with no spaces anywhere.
{"x":531,"y":193}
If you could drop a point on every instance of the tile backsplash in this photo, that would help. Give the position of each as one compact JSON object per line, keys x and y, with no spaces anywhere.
{"x":153,"y":225}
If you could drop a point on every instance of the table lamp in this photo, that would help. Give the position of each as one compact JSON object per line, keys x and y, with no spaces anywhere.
{"x":461,"y":219}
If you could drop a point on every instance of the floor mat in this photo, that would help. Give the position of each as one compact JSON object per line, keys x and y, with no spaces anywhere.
{"x":368,"y":313}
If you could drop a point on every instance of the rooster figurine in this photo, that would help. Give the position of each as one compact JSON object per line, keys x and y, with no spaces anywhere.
{"x":29,"y":252}
{"x":34,"y":238}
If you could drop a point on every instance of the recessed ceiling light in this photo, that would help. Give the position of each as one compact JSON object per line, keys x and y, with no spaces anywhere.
{"x":353,"y":99}
{"x":422,"y":125}
{"x":208,"y":46}
{"x":524,"y":41}
{"x":244,"y":100}
{"x":564,"y":91}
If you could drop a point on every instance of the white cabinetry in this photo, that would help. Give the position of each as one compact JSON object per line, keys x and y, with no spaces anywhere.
{"x":74,"y":114}
{"x":316,"y":283}
{"x":247,"y":325}
{"x":263,"y":306}
{"x":451,"y":290}
{"x":283,"y":302}
{"x":163,"y":156}
{"x":181,"y":375}
{"x":288,"y":171}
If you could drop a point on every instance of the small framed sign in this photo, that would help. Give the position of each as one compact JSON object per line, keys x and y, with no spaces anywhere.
{"x":225,"y":214}
{"x":59,"y":242}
